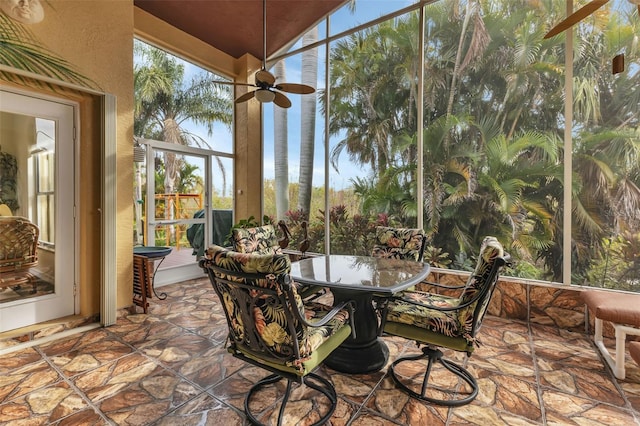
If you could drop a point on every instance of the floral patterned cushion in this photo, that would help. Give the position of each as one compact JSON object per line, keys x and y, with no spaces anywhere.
{"x":261,"y":240}
{"x":455,"y":323}
{"x":490,"y":250}
{"x":398,"y":243}
{"x":444,"y":322}
{"x":268,"y":312}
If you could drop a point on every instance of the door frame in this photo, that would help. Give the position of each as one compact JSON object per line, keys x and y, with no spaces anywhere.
{"x":108,"y":117}
{"x":64,"y":301}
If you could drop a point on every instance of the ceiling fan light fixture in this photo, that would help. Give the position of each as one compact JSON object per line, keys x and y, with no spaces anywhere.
{"x":265,"y":82}
{"x":265,"y":95}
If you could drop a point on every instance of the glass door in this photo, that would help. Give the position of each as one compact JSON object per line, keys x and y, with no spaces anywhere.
{"x":176,"y":203}
{"x":37,"y":200}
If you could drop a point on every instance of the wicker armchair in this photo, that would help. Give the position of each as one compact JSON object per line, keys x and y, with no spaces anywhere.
{"x":18,"y":251}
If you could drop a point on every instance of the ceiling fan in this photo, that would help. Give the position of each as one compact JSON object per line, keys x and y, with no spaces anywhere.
{"x":266,"y":88}
{"x":580,"y":14}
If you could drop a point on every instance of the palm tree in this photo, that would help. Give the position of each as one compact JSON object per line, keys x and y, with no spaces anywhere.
{"x":165,"y":103}
{"x":281,"y":150}
{"x":494,"y":121}
{"x":362,"y":102}
{"x":20,"y":49}
{"x":308,"y":121}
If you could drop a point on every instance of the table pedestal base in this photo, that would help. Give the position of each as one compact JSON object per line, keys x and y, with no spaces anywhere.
{"x":358,"y":360}
{"x":367,"y":352}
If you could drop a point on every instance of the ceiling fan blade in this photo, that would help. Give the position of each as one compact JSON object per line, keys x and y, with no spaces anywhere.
{"x":245,"y":97}
{"x":281,"y":100}
{"x":576,"y":17}
{"x":264,"y":76}
{"x":301,"y":89}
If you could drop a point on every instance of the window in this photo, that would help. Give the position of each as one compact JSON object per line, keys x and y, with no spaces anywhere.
{"x":493,"y":138}
{"x":185,"y":144}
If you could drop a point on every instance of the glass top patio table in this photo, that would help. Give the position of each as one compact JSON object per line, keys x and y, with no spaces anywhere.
{"x":359,"y":273}
{"x":359,"y":279}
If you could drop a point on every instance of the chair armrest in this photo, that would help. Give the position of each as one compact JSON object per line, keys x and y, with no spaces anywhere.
{"x":444,"y":286}
{"x":349,"y":304}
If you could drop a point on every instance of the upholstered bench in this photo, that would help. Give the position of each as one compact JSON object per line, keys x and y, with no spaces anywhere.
{"x":622,"y":310}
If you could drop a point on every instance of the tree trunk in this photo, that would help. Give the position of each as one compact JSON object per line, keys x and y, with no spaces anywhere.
{"x":171,"y":134}
{"x":308,"y":122}
{"x":281,"y":151}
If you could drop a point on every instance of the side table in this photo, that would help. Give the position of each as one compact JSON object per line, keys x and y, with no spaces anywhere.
{"x":144,"y":273}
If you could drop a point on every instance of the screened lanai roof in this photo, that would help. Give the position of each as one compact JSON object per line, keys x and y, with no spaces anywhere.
{"x":235,"y":26}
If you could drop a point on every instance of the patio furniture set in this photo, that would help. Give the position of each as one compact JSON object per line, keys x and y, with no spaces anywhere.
{"x":273,"y":326}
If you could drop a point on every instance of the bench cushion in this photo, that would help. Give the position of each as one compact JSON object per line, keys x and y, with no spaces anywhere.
{"x":619,"y":308}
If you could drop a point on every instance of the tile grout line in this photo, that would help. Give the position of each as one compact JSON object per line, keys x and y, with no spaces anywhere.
{"x":536,"y":370}
{"x":204,"y":391}
{"x":73,"y":387}
{"x":362,"y":407}
{"x":614,"y":380}
{"x":628,"y":406}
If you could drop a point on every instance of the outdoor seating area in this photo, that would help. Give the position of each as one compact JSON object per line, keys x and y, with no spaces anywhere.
{"x":170,"y":367}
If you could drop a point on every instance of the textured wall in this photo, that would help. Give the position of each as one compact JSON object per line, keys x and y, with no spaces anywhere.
{"x":93,"y":39}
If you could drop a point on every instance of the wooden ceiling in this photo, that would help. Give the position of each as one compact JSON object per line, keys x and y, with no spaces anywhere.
{"x":235,"y":26}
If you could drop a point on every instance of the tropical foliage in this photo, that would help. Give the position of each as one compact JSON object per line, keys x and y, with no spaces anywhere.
{"x":493,"y":135}
{"x":166,"y":102}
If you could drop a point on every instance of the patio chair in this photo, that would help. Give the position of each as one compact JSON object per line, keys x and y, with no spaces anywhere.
{"x":399,"y":243}
{"x":439,"y":321}
{"x":271,"y":327}
{"x":18,"y":251}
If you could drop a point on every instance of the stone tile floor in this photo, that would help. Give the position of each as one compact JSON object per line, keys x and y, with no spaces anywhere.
{"x":170,"y":368}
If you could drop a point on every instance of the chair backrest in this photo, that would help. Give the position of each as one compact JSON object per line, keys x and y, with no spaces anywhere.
{"x":481,"y":284}
{"x":18,"y":243}
{"x":260,"y":240}
{"x":260,"y":302}
{"x":399,"y":243}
